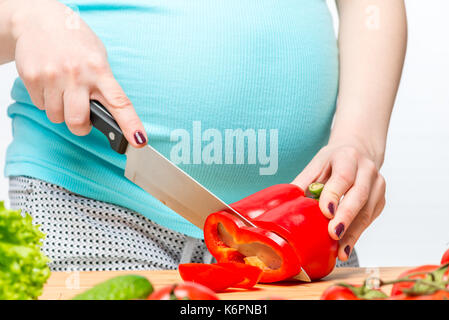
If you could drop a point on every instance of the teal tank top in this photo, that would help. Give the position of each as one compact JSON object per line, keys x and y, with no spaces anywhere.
{"x":239,"y":93}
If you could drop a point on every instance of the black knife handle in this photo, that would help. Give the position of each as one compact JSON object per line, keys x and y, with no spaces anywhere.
{"x":103,"y":121}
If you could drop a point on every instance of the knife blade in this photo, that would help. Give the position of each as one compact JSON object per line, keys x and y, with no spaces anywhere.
{"x":158,"y":176}
{"x":161,"y":178}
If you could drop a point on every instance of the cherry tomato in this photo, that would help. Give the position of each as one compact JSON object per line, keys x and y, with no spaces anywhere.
{"x":344,"y":291}
{"x":445,"y":258}
{"x":439,"y":295}
{"x":336,"y":292}
{"x":421,"y":273}
{"x":184,"y":291}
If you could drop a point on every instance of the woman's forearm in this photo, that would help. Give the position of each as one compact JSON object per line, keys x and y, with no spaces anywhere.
{"x":15,"y":17}
{"x":7,"y":41}
{"x":372,"y":43}
{"x":63,"y":66}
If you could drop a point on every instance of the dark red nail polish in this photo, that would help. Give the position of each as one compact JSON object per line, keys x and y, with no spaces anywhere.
{"x":348,"y":250}
{"x":139,"y":137}
{"x":331,"y":208}
{"x":339,"y":229}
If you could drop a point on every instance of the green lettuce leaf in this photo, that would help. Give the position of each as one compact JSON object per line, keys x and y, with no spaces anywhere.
{"x":23,"y":267}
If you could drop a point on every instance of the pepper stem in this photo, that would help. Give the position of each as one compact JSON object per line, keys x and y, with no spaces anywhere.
{"x":314,"y":190}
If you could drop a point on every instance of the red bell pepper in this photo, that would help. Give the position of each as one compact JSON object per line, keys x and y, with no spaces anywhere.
{"x":291,"y":233}
{"x":241,"y":234}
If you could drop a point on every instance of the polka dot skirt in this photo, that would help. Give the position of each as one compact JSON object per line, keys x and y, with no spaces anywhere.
{"x":89,"y":235}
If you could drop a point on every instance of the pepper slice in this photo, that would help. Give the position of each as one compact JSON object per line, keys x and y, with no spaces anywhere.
{"x":220,"y":276}
{"x":251,"y":274}
{"x":281,"y":213}
{"x":213,"y":276}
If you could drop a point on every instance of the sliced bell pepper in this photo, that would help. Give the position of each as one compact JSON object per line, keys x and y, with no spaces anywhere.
{"x":291,"y":233}
{"x":220,"y":276}
{"x":251,"y":274}
{"x":213,"y":276}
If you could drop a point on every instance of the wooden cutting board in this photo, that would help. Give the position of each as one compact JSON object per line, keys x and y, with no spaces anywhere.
{"x":65,"y":285}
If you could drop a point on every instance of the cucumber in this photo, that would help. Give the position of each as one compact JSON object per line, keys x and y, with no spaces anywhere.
{"x":126,"y":287}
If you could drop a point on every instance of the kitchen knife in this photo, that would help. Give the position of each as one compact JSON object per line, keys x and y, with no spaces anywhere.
{"x":158,"y":176}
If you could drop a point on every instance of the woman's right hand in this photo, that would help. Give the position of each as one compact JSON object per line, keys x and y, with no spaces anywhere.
{"x":63,"y":65}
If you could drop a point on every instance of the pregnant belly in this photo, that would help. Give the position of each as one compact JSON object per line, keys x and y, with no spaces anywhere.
{"x":250,"y":65}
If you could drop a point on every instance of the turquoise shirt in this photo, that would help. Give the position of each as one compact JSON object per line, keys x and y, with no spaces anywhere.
{"x":196,"y":71}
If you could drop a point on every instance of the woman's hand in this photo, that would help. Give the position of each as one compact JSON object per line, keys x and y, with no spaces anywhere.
{"x":63,"y":65}
{"x":371,"y":57}
{"x":348,"y":170}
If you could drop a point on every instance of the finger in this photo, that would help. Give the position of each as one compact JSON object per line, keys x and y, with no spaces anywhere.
{"x":76,"y":111}
{"x":367,"y":215}
{"x":312,"y":172}
{"x":53,"y":101}
{"x":32,"y":83}
{"x":343,"y":174}
{"x":381,"y":185}
{"x":115,"y":100}
{"x":54,"y":104}
{"x":354,"y":200}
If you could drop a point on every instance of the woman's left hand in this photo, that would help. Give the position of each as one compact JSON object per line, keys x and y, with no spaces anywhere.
{"x":348,"y":170}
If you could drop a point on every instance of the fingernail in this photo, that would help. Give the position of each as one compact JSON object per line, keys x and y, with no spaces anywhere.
{"x":331,"y":208}
{"x":339,"y":229}
{"x":348,"y":250}
{"x":139,"y":137}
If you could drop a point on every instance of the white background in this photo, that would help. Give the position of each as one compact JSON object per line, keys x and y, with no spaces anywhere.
{"x":414,"y":227}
